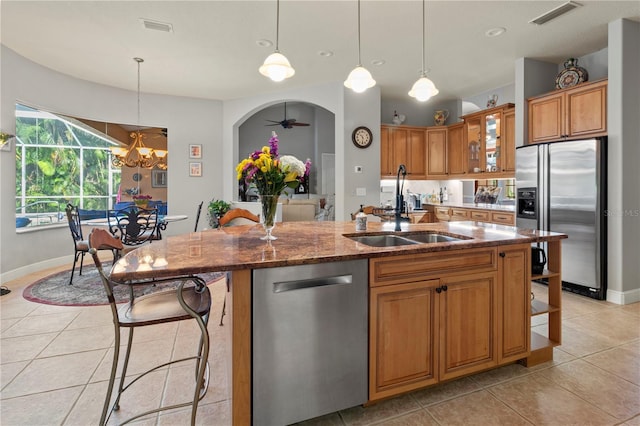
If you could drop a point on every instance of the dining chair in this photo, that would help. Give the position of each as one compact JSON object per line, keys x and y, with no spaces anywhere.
{"x":134,"y":225}
{"x":190,"y":299}
{"x":80,"y":244}
{"x":230,"y":218}
{"x":195,"y":228}
{"x":366,"y":209}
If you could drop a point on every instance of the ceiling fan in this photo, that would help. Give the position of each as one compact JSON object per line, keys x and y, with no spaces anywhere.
{"x":286,"y":123}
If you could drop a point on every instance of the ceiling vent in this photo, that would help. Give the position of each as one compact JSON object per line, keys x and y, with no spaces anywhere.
{"x":156,"y":25}
{"x":554,"y":13}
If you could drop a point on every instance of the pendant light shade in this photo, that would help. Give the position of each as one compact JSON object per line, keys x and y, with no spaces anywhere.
{"x":359,"y":79}
{"x":423,"y":89}
{"x":277,"y":66}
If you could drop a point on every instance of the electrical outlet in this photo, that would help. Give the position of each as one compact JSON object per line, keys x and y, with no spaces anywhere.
{"x":361,"y":192}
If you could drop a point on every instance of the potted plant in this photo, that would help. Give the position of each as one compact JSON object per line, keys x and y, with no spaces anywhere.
{"x":142,"y":200}
{"x":217,"y":209}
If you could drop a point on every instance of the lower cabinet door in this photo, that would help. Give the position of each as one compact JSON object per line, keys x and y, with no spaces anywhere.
{"x":403,"y":345}
{"x":468,"y":313}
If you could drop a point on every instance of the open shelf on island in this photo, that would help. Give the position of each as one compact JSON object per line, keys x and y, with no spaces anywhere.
{"x":545,"y":275}
{"x":538,"y":341}
{"x":538,"y":308}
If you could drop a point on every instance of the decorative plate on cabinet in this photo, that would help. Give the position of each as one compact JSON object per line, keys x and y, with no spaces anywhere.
{"x":571,"y":75}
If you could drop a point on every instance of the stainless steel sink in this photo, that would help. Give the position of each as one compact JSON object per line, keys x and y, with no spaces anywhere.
{"x":412,"y":238}
{"x":387,"y":240}
{"x":432,"y":238}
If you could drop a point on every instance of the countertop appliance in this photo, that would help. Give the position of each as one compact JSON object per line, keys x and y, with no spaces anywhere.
{"x":310,"y":334}
{"x":561,"y":187}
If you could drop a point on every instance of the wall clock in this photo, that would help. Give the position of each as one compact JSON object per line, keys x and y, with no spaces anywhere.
{"x":362,"y":137}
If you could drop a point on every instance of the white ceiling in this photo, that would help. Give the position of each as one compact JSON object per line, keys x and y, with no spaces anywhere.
{"x":212,"y":52}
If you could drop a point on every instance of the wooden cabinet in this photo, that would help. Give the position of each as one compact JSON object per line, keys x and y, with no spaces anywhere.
{"x":436,"y":152}
{"x":456,"y":152}
{"x":513,"y":302}
{"x":432,"y":317}
{"x":443,"y":214}
{"x":459,"y":214}
{"x":490,"y":142}
{"x":573,"y":113}
{"x":421,"y":217}
{"x":403,"y":352}
{"x":480,"y":215}
{"x":504,"y":218}
{"x":446,"y":214}
{"x":403,"y":145}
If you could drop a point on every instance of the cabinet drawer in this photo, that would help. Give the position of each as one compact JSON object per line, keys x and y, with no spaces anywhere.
{"x":478,"y":215}
{"x":442,"y":213}
{"x":417,"y":267}
{"x":459,"y":214}
{"x":504,"y":218}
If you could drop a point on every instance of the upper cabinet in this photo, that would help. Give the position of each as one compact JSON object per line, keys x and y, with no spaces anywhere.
{"x":488,"y":142}
{"x":437,"y":152}
{"x":573,"y":113}
{"x":403,"y":145}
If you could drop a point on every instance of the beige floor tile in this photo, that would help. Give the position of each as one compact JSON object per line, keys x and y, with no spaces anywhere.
{"x":501,"y":374}
{"x":610,"y":393}
{"x":619,"y":327}
{"x":559,"y":357}
{"x":478,"y":408}
{"x":155,"y":332}
{"x":543,"y":402}
{"x":623,"y":361}
{"x":582,"y":342}
{"x":332,"y":419}
{"x":9,"y":371}
{"x":44,"y":309}
{"x":80,"y":340}
{"x":54,"y":373}
{"x":6,"y":324}
{"x":48,"y":408}
{"x":92,"y":316}
{"x":574,"y":305}
{"x":215,"y":414}
{"x":442,"y":392}
{"x":635,"y":421}
{"x":632,"y":308}
{"x":24,"y":347}
{"x":378,"y":412}
{"x":16,"y":309}
{"x":38,"y":324}
{"x":415,"y":418}
{"x":181,"y":385}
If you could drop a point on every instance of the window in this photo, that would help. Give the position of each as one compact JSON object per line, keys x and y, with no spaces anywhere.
{"x":60,"y":160}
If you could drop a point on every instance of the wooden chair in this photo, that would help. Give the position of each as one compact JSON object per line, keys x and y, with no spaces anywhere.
{"x":176,"y":304}
{"x":365,"y":209}
{"x":80,"y":245}
{"x":195,"y":228}
{"x":235,"y":216}
{"x":134,"y":225}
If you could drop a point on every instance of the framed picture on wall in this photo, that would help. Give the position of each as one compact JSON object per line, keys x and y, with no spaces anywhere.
{"x":195,"y":151}
{"x":158,"y":178}
{"x":195,"y":169}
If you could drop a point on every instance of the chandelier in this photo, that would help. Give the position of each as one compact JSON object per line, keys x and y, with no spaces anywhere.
{"x":137,"y":154}
{"x":423,"y":89}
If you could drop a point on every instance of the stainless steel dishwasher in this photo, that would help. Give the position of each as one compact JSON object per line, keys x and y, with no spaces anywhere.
{"x":309,"y":340}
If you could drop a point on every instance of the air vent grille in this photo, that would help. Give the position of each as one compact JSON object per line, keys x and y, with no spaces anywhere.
{"x":554,"y":13}
{"x":156,"y":25}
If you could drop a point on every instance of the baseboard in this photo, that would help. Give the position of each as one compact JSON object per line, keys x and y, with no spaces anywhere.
{"x":35,"y":267}
{"x":623,"y":297}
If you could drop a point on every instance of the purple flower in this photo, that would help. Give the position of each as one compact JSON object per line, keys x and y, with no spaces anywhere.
{"x":273,"y":145}
{"x":307,"y":167}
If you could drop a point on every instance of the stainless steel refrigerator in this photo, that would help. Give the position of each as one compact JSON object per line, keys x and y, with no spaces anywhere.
{"x":561,"y":187}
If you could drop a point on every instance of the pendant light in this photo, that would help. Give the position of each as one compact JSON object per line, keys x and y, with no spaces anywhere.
{"x":137,"y":154}
{"x":359,"y":79}
{"x":423,"y":89}
{"x":277,"y":66}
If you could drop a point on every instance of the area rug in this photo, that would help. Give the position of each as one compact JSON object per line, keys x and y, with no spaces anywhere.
{"x":87,"y":289}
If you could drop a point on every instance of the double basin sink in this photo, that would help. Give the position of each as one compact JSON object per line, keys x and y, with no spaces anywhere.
{"x":404,"y":239}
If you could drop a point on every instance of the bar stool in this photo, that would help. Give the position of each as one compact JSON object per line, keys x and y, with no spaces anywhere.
{"x":182,"y":303}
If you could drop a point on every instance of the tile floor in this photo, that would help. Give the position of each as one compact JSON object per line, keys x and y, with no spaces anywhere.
{"x":54,"y":363}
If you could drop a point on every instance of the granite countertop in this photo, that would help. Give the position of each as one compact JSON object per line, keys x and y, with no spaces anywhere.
{"x":240,"y":247}
{"x":481,"y":206}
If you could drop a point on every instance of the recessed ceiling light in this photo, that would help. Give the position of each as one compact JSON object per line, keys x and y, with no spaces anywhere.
{"x":156,"y":25}
{"x":264,"y":42}
{"x":325,"y":53}
{"x":378,"y":62}
{"x":495,"y":32}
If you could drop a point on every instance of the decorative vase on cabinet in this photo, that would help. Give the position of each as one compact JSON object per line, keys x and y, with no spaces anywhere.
{"x":440,"y":117}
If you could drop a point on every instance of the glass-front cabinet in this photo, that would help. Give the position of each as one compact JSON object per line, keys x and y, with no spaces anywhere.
{"x":488,"y":141}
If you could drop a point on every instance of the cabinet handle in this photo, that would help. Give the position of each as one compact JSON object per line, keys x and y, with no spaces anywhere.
{"x":439,"y":290}
{"x":502,"y":254}
{"x":444,"y":287}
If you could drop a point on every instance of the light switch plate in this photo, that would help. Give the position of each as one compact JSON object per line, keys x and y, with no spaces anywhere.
{"x":361,"y":192}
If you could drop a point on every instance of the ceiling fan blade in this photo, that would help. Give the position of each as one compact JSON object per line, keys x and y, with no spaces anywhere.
{"x":299,"y":124}
{"x":276,"y":124}
{"x":274,"y":121}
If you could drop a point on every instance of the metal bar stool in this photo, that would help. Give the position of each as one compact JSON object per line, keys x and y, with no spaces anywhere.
{"x":182,"y":303}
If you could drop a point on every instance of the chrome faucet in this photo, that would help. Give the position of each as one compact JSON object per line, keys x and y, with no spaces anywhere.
{"x":399,"y":198}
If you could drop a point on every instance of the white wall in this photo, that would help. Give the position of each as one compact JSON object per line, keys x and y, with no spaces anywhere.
{"x":188,"y":120}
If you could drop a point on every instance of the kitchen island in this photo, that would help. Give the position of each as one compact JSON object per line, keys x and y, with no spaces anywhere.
{"x":417,"y":293}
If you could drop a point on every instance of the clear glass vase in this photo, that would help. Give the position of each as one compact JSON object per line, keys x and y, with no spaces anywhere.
{"x":269,"y":207}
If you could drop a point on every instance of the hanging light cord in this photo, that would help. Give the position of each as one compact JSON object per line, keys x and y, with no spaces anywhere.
{"x":277,"y":24}
{"x":138,"y":60}
{"x":423,"y":48}
{"x":359,"y":60}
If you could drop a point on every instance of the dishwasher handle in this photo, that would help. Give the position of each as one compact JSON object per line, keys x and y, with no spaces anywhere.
{"x":282,"y":286}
